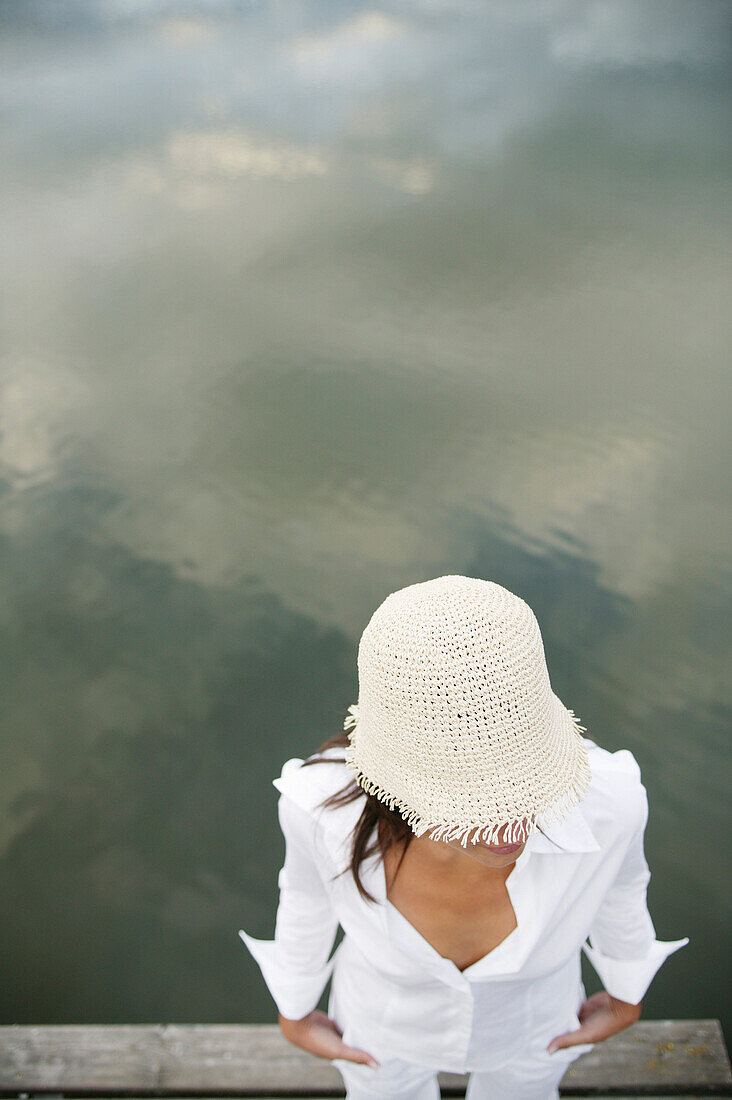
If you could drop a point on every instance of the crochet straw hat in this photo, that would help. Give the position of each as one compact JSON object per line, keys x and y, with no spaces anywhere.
{"x":456,"y":722}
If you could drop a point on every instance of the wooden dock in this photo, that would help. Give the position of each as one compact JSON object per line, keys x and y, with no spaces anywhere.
{"x":661,"y":1058}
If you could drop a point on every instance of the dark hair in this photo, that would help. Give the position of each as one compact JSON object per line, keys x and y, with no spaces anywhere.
{"x":391,"y":828}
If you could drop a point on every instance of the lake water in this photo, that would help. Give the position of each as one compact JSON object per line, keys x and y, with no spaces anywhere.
{"x":303,"y":303}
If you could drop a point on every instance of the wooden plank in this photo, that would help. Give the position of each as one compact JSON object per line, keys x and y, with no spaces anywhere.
{"x":62,"y":1057}
{"x":652,"y":1057}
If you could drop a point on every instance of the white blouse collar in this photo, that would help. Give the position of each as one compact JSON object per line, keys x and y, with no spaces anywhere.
{"x":310,"y":785}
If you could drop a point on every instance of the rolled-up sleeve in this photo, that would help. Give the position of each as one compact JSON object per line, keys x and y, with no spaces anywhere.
{"x":623,"y":948}
{"x":295,"y":964}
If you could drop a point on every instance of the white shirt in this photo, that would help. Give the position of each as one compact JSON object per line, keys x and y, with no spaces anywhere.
{"x":398,"y":995}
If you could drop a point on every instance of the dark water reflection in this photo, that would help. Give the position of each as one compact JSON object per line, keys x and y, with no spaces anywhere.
{"x":301,"y":304}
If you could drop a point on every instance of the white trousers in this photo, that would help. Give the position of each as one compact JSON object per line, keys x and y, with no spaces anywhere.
{"x":396,"y":1079}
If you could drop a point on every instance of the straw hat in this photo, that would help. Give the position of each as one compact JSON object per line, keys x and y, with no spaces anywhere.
{"x":456,"y":723}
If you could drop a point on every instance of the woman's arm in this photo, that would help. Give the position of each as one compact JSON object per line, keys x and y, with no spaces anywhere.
{"x":295,"y":963}
{"x":623,"y":948}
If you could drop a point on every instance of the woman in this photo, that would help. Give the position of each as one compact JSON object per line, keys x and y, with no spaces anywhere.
{"x":500,"y":839}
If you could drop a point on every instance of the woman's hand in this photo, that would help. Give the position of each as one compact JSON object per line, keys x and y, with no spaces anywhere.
{"x":318,"y":1034}
{"x":600,"y":1016}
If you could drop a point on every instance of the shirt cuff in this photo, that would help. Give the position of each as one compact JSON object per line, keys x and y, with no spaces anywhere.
{"x":294,"y":994}
{"x":628,"y":979}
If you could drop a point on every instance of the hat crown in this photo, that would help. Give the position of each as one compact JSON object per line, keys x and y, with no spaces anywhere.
{"x":458,"y":657}
{"x":456,"y":720}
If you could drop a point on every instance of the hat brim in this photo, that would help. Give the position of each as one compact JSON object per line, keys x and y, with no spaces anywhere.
{"x":561,"y":775}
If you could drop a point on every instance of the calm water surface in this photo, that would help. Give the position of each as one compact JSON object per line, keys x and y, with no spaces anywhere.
{"x":302,"y":303}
